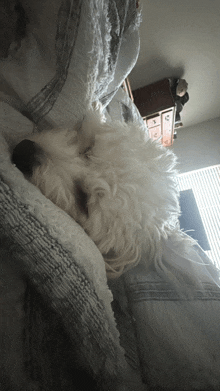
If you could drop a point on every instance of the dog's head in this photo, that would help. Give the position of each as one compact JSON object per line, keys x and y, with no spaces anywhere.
{"x":114,"y":182}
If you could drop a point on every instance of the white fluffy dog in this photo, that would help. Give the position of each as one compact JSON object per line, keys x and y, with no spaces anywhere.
{"x":112,"y":179}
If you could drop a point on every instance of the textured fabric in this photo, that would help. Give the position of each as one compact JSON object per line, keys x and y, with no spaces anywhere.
{"x":57,"y":78}
{"x":51,"y":268}
{"x":74,"y":52}
{"x":178,"y":336}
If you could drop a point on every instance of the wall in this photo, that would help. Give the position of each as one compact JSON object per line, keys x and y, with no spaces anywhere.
{"x":181,"y":38}
{"x":198,"y":146}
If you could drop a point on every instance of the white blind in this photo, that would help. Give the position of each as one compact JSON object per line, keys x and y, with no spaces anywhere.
{"x":205,"y":184}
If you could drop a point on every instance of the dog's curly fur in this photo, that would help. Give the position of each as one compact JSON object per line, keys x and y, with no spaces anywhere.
{"x":114,"y":181}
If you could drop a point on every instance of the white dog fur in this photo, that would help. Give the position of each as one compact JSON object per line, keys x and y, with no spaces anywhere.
{"x":114,"y":181}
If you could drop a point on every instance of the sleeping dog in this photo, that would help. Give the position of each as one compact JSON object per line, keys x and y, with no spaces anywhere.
{"x":110,"y":177}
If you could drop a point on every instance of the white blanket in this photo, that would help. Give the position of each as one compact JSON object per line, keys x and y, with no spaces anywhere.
{"x":74,"y":52}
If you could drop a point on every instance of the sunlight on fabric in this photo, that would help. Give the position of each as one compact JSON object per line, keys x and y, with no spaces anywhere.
{"x":205,"y":184}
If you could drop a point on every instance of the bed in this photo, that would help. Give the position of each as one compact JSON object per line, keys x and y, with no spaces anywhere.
{"x":62,"y":324}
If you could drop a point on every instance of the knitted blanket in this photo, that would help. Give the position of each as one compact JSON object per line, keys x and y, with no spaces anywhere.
{"x":73,"y":53}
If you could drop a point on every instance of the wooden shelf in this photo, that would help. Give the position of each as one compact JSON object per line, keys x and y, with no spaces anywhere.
{"x":157,"y":107}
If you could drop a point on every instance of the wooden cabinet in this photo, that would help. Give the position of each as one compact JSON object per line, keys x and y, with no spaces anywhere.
{"x":156,"y":105}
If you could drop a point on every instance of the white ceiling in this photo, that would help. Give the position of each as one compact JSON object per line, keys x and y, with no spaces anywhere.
{"x":182,"y":38}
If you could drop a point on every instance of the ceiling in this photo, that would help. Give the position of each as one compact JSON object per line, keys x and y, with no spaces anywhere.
{"x":182,"y":39}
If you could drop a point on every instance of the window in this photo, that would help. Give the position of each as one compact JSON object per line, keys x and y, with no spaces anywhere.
{"x":205,"y":184}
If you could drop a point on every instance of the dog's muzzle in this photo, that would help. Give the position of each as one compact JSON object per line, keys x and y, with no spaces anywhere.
{"x":25,"y":156}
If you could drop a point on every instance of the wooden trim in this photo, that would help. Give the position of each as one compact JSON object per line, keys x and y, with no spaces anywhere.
{"x":127,"y":87}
